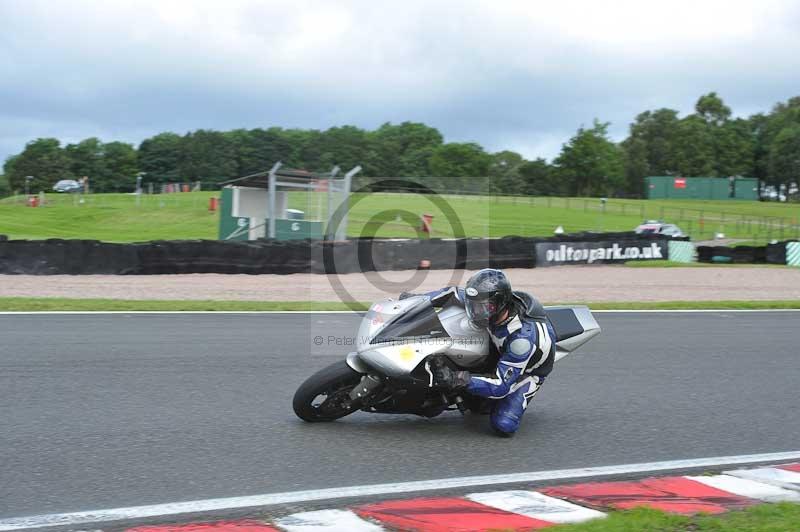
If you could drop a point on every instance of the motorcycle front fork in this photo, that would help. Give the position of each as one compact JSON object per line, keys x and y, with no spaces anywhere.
{"x":365,"y":388}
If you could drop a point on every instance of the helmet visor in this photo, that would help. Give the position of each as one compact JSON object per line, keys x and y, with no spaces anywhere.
{"x":481,"y":312}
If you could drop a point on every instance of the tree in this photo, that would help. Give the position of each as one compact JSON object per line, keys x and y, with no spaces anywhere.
{"x":5,"y":189}
{"x":44,"y":159}
{"x":504,"y":172}
{"x":590,"y":163}
{"x":695,"y":149}
{"x":160,"y":157}
{"x":121,"y":166}
{"x":86,"y":159}
{"x":402,"y":150}
{"x":758,"y":126}
{"x":657,"y":130}
{"x":712,"y":109}
{"x":734,"y":149}
{"x":784,"y":156}
{"x":302,"y":145}
{"x":459,"y":160}
{"x":539,"y":179}
{"x":651,"y":147}
{"x":258,"y":149}
{"x":344,"y":146}
{"x":207,"y":155}
{"x":766,"y":128}
{"x":637,"y":165}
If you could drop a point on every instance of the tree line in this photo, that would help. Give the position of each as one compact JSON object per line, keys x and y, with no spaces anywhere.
{"x":707,"y":142}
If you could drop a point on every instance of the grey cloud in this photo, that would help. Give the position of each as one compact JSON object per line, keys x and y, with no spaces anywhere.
{"x":501,"y":76}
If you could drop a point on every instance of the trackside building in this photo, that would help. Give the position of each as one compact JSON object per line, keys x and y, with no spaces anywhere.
{"x":703,"y":188}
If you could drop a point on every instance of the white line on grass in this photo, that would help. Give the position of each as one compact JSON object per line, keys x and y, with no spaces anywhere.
{"x":212,"y":505}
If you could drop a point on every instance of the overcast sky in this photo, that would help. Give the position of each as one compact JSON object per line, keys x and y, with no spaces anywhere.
{"x":508,"y":75}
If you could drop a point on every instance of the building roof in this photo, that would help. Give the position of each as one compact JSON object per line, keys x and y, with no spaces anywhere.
{"x":291,"y":175}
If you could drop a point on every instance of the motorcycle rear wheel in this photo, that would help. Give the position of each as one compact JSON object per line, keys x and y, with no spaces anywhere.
{"x":325,"y":395}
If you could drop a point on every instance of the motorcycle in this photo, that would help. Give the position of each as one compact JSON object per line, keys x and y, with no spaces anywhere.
{"x":390,"y":372}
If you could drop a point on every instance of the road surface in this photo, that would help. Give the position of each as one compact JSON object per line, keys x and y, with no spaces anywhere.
{"x":104,"y":411}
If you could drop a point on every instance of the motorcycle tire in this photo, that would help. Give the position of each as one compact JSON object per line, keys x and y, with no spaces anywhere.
{"x":334,"y":384}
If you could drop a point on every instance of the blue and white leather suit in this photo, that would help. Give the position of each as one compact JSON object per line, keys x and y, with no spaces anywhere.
{"x":526,"y":345}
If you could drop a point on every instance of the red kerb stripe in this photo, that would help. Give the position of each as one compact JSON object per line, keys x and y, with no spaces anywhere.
{"x":446,"y":515}
{"x":670,"y":494}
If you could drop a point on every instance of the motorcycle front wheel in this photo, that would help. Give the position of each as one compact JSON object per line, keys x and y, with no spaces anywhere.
{"x":325,"y":396}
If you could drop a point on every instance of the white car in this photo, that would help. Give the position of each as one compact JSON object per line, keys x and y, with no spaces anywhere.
{"x":658,"y":227}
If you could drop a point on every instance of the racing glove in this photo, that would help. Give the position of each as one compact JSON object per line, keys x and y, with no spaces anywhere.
{"x":448,"y":379}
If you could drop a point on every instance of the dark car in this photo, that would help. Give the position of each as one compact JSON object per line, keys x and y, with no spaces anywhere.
{"x":67,"y":185}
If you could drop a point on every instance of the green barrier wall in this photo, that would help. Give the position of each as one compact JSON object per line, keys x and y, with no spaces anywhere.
{"x":297,"y":230}
{"x":227,"y":223}
{"x":707,"y":188}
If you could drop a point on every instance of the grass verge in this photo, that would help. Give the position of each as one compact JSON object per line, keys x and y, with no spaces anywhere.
{"x":673,"y":264}
{"x":58,"y":304}
{"x":128,"y":218}
{"x":24,"y":304}
{"x":765,"y":517}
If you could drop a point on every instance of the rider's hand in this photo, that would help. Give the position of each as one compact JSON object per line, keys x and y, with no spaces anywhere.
{"x":448,"y":379}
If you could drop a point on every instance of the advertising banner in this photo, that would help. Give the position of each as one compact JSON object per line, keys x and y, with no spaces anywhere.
{"x":599,"y":252}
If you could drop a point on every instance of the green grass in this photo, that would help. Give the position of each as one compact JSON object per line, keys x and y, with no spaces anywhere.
{"x":111,"y":217}
{"x":673,"y":264}
{"x":57,"y":304}
{"x":782,"y":517}
{"x":694,"y":305}
{"x":24,"y":304}
{"x":118,"y":218}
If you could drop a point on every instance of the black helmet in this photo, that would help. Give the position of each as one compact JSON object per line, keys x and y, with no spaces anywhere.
{"x":488,"y":295}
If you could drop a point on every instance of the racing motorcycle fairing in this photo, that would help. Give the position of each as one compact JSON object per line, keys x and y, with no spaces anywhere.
{"x":396,"y":340}
{"x":396,"y":336}
{"x":574,"y":326}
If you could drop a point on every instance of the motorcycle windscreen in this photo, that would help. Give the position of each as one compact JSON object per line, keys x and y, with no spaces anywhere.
{"x":421,"y":321}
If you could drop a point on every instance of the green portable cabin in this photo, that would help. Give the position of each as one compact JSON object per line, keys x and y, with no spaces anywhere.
{"x":257,"y":206}
{"x":231,"y":227}
{"x":701,"y":188}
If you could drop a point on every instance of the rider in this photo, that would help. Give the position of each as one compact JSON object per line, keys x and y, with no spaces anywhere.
{"x":524,"y":338}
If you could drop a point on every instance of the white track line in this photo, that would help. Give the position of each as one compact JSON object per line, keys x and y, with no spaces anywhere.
{"x":155,"y":312}
{"x":212,"y":505}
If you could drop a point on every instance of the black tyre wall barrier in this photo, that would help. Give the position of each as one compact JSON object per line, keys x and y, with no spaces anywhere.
{"x":744,"y":255}
{"x":776,"y":253}
{"x":44,"y":257}
{"x":737,"y":255}
{"x":48,"y":257}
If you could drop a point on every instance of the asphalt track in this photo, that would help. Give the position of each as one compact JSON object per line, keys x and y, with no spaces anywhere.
{"x":123,"y":410}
